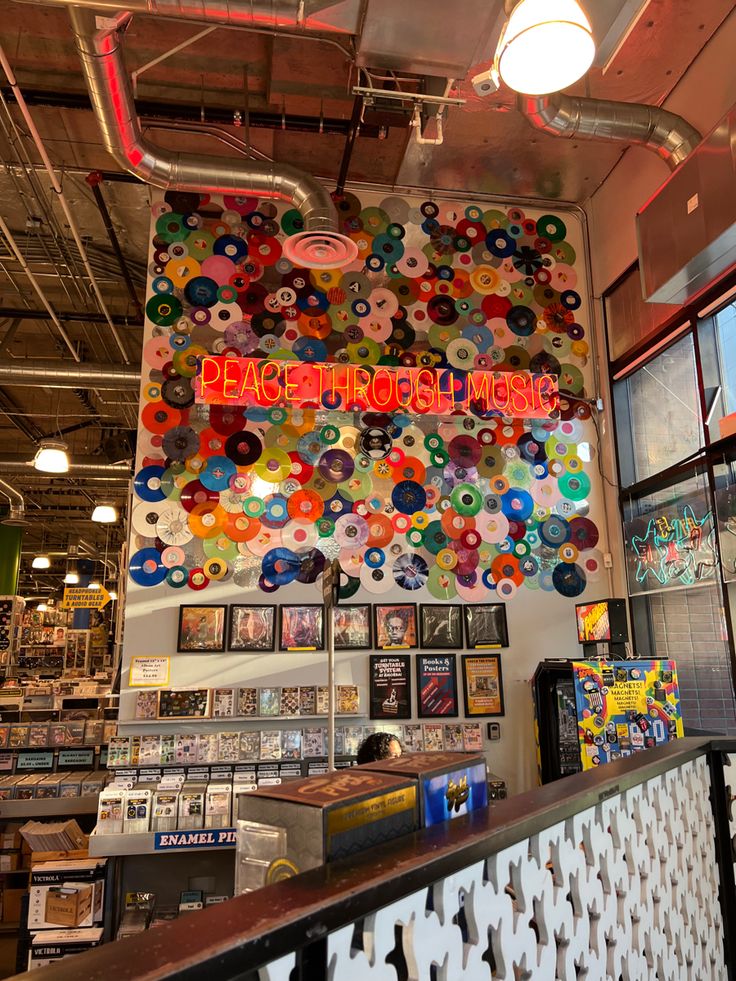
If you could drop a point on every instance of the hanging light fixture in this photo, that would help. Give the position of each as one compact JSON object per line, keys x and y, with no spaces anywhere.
{"x":42,"y":607}
{"x":51,"y":456}
{"x":71,"y":579}
{"x":113,"y":595}
{"x":545,"y":46}
{"x":105,"y":514}
{"x":41,"y":562}
{"x":94,"y":585}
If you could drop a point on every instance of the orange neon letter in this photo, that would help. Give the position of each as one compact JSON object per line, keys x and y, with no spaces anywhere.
{"x":209,"y":379}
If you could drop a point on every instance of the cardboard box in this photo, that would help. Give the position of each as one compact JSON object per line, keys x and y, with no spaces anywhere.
{"x":9,"y":861}
{"x":51,"y":946}
{"x":10,"y":836}
{"x":68,"y":906}
{"x":12,"y":899}
{"x":301,"y":824}
{"x":450,"y":784}
{"x":66,"y":893}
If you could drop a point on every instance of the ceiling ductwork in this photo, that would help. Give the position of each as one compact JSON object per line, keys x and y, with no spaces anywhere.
{"x":55,"y":374}
{"x":17,"y":515}
{"x":687,"y":229}
{"x":77,"y":467}
{"x":665,"y":133}
{"x":99,"y":43}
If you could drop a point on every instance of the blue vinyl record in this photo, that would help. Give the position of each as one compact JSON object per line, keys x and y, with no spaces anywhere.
{"x":408,"y":497}
{"x":281,"y":566}
{"x":146,"y":567}
{"x":568,"y":579}
{"x":147,"y":484}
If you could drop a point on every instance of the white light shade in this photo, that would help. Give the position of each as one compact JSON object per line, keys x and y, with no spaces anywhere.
{"x":71,"y":578}
{"x":113,"y":595}
{"x":94,"y":585}
{"x":105,"y":513}
{"x":547,"y":45}
{"x":51,"y":456}
{"x":41,"y":562}
{"x":42,"y":607}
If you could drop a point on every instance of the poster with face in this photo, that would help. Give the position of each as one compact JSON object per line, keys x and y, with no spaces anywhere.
{"x":395,"y":625}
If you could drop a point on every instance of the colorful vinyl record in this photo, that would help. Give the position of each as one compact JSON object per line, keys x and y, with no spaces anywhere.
{"x":375,"y":443}
{"x":177,"y":576}
{"x":180,"y":443}
{"x":351,"y":531}
{"x":217,"y":474}
{"x":273,"y":466}
{"x":206,"y":520}
{"x":177,"y":393}
{"x":466,"y":499}
{"x":173,"y":556}
{"x":281,"y":566}
{"x":198,"y":579}
{"x":147,"y":484}
{"x":195,"y":494}
{"x":336,"y":466}
{"x":377,"y":580}
{"x":146,"y":567}
{"x":311,"y":565}
{"x":568,"y":579}
{"x":215,"y":568}
{"x":243,"y":448}
{"x":144,"y":517}
{"x":410,"y":571}
{"x":583,"y":533}
{"x":408,"y":497}
{"x":172,"y":527}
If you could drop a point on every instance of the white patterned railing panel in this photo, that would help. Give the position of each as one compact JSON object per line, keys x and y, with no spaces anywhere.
{"x":626,"y":889}
{"x":729,"y":776}
{"x":279,"y":970}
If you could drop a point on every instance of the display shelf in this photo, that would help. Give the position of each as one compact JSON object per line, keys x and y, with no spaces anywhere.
{"x":48,"y":807}
{"x":9,"y":928}
{"x":143,"y":843}
{"x":221,"y":721}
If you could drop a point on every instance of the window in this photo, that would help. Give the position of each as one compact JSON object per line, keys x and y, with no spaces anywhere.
{"x":658,"y":413}
{"x":717,"y":340}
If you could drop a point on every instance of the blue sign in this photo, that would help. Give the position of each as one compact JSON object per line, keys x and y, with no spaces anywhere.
{"x":168,"y":841}
{"x":76,"y":758}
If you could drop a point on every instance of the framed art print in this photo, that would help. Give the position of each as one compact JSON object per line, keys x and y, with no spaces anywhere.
{"x":482,"y":684}
{"x":352,"y":627}
{"x":485,"y":626}
{"x":252,"y":628}
{"x":440,"y":626}
{"x":395,"y":625}
{"x":301,"y":628}
{"x":390,"y":686}
{"x":201,"y":629}
{"x":436,"y":686}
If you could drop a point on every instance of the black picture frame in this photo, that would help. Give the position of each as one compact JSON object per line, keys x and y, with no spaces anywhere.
{"x":349,"y":638}
{"x":310,"y":628}
{"x":390,"y":686}
{"x":440,"y":626}
{"x":210,"y":629}
{"x":474,"y":695}
{"x":407,"y":613}
{"x":254,"y":644}
{"x":437,"y":696}
{"x":485,"y":626}
{"x":187,"y":703}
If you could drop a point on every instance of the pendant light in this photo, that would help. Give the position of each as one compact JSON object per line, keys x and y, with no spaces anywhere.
{"x":52,"y":456}
{"x":545,"y":46}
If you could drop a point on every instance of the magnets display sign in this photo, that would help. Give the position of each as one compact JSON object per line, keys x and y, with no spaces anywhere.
{"x":361,"y":388}
{"x":624,"y":707}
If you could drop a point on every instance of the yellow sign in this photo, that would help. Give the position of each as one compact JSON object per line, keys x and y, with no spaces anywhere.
{"x":81,"y":598}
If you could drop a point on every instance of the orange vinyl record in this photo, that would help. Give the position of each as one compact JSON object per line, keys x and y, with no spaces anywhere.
{"x":241,"y":528}
{"x":454,"y":524}
{"x":305,"y":506}
{"x":380,"y":531}
{"x":207,"y":520}
{"x":158,"y":417}
{"x":507,"y":567}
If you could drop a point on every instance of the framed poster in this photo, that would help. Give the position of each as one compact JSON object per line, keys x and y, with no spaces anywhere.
{"x":390,"y":686}
{"x":396,"y":625}
{"x":302,"y":627}
{"x":485,"y":625}
{"x":192,"y":703}
{"x":352,"y":627}
{"x":201,"y":628}
{"x":252,"y":628}
{"x":436,"y":685}
{"x":482,"y":684}
{"x":440,"y":626}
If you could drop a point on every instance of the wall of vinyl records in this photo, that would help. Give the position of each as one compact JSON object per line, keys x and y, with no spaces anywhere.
{"x":240,"y":507}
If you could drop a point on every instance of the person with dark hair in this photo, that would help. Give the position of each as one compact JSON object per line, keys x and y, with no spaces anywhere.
{"x":378,"y":746}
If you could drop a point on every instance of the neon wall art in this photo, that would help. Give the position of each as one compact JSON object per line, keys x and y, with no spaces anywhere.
{"x":672,"y":548}
{"x":459,"y":504}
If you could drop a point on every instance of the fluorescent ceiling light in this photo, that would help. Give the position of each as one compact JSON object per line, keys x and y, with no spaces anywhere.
{"x":71,"y":578}
{"x":41,"y":562}
{"x":105,"y":513}
{"x":51,"y":456}
{"x":546,"y":46}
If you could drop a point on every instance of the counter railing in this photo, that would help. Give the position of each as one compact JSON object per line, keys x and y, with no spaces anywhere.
{"x":622,"y":872}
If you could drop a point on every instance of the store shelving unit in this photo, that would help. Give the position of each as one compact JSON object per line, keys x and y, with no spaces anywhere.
{"x":143,"y":843}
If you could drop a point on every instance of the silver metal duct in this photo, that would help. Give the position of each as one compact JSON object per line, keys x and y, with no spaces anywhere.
{"x":77,"y":468}
{"x":311,"y":15}
{"x":667,"y":134}
{"x":111,"y":94}
{"x":62,"y":374}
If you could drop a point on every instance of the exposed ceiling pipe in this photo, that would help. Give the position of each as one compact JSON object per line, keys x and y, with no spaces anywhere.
{"x":58,"y":190}
{"x":108,"y":83}
{"x":273,"y":14}
{"x":37,"y":287}
{"x":61,"y":374}
{"x":77,"y":467}
{"x":67,"y":316}
{"x":667,"y":134}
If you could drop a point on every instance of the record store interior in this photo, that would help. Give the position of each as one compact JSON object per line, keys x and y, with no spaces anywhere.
{"x":368,"y":490}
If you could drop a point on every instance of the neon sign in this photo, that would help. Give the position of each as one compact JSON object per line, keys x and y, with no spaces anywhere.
{"x":380,"y":388}
{"x":674,"y":550}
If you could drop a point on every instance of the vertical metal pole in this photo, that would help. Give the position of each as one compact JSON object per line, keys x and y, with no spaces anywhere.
{"x":330,"y":591}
